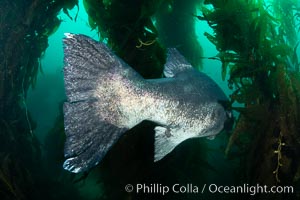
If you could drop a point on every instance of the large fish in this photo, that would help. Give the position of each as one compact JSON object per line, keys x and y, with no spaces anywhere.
{"x":106,"y":97}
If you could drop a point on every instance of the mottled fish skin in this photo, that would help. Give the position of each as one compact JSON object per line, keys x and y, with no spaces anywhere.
{"x":106,"y":97}
{"x":186,"y":106}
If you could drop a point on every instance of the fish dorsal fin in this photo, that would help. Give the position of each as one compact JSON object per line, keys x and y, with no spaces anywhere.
{"x":175,"y":63}
{"x":164,"y":142}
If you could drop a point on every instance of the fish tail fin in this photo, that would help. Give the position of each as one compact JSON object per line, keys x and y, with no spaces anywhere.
{"x":91,"y":113}
{"x":89,"y":65}
{"x":88,"y":137}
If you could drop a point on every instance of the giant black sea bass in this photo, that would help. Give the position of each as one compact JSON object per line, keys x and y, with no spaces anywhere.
{"x":106,"y":97}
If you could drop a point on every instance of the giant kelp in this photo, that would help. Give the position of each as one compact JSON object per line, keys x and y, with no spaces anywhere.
{"x":130,"y":32}
{"x":257,"y":45}
{"x":24,"y":30}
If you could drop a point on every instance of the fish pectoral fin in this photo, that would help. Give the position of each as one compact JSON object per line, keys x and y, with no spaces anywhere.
{"x":211,"y":137}
{"x":163,"y":142}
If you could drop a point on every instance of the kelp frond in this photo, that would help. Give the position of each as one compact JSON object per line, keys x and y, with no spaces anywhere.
{"x":264,"y":76}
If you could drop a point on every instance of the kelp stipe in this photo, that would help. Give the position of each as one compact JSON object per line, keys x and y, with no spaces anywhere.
{"x":129,"y":32}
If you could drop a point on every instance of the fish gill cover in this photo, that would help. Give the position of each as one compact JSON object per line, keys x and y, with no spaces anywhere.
{"x":257,"y":43}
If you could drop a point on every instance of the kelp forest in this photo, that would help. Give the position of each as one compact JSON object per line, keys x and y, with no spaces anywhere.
{"x":257,"y":43}
{"x":258,"y":49}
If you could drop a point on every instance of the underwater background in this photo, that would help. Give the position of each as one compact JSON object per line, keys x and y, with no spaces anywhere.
{"x":248,"y":47}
